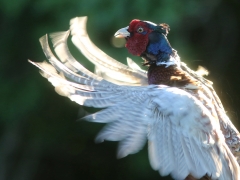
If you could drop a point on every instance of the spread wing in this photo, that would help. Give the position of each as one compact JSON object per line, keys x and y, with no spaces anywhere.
{"x":183,"y":137}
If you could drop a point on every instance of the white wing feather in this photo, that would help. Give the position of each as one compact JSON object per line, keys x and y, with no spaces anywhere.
{"x":183,"y":137}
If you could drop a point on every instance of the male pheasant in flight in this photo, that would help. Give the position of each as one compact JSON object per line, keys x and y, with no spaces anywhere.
{"x":174,"y":108}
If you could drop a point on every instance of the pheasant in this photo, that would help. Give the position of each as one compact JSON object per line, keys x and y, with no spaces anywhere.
{"x":172,"y":107}
{"x":149,"y":41}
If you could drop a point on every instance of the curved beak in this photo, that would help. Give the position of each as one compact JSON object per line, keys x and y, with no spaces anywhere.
{"x":122,"y":33}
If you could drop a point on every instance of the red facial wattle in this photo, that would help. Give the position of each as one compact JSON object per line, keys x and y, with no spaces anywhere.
{"x":137,"y":42}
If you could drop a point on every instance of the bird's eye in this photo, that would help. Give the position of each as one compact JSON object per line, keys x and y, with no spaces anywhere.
{"x":140,"y":30}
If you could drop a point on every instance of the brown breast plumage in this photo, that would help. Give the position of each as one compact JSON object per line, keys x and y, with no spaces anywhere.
{"x":171,"y":76}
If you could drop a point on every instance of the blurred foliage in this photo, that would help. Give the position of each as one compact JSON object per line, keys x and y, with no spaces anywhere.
{"x":40,"y":138}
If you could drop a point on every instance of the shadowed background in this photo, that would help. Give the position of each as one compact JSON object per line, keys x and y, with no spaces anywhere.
{"x":39,"y":135}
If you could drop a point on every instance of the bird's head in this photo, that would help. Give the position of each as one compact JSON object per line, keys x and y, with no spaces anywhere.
{"x":136,"y":35}
{"x":147,"y":39}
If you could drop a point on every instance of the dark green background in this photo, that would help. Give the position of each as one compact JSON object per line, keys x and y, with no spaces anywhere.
{"x":39,"y":135}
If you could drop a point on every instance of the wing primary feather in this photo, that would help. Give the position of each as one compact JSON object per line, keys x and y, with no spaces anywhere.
{"x":59,"y":41}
